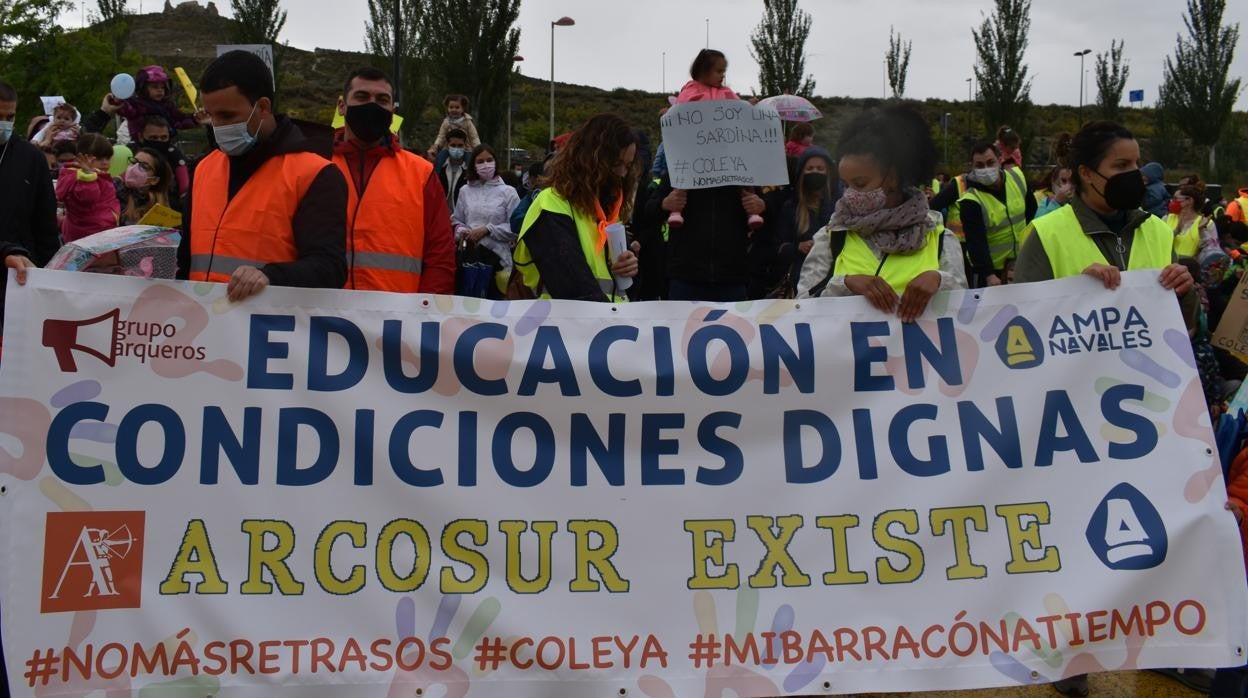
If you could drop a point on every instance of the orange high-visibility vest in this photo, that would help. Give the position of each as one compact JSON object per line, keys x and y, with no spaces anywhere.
{"x":255,"y":227}
{"x":386,"y":231}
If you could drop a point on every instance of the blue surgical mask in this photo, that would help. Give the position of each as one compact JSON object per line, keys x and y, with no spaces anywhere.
{"x":6,"y":131}
{"x":235,"y":139}
{"x":456,"y":153}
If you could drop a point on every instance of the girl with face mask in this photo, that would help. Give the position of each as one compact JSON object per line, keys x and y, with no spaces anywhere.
{"x":883,"y":242}
{"x":1102,"y":232}
{"x":144,"y":184}
{"x":1193,"y":233}
{"x":481,"y":219}
{"x":804,"y":214}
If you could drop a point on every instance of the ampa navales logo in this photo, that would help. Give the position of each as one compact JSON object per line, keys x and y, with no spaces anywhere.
{"x":92,"y":561}
{"x":1102,"y":330}
{"x":1126,"y":531}
{"x":107,"y":338}
{"x":1020,"y":345}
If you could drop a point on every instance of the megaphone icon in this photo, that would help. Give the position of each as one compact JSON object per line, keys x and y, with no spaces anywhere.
{"x":61,"y":336}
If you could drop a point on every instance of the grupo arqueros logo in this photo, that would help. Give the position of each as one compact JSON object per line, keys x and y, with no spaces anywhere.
{"x":107,"y":338}
{"x":95,"y":337}
{"x":92,"y":560}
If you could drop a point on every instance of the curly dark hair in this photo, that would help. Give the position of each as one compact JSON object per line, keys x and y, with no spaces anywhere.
{"x":898,"y":138}
{"x":582,"y":171}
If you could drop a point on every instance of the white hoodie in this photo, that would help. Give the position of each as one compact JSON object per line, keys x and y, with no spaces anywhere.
{"x":490,"y":205}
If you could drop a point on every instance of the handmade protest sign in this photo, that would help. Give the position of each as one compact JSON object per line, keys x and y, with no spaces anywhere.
{"x":331,"y":493}
{"x":723,"y":143}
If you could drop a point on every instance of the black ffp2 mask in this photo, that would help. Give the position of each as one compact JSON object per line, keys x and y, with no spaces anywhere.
{"x":368,"y":122}
{"x":1124,"y":191}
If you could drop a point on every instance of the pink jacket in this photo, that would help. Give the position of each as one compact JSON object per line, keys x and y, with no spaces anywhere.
{"x":90,"y":203}
{"x":694,"y":91}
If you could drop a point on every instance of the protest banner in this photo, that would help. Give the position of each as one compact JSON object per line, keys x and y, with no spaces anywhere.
{"x":50,"y":103}
{"x":338,"y":121}
{"x":723,"y":143}
{"x":1231,"y":333}
{"x":330,"y":493}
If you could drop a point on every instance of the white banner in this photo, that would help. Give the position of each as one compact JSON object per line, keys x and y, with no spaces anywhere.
{"x":723,"y":143}
{"x":331,"y":493}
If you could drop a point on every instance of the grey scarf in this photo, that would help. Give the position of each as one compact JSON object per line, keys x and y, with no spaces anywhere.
{"x":901,"y":230}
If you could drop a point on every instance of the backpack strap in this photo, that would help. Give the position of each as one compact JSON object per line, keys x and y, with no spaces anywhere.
{"x":836,"y":242}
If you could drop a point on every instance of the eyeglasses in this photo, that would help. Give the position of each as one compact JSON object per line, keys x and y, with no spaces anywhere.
{"x":146,"y":167}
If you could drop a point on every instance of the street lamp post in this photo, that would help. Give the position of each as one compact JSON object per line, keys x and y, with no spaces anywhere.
{"x":561,"y":22}
{"x":397,"y":48}
{"x":514,"y":60}
{"x":945,"y":136}
{"x":1081,"y":55}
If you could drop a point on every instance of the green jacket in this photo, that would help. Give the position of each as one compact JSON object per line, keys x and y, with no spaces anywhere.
{"x":1033,"y":260}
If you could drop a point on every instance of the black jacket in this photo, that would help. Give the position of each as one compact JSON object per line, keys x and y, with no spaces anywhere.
{"x":320,"y":221}
{"x":27,"y":200}
{"x":712,"y":246}
{"x":556,"y":249}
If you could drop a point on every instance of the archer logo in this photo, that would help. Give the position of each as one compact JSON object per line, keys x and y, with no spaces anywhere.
{"x":92,"y":560}
{"x":94,"y":337}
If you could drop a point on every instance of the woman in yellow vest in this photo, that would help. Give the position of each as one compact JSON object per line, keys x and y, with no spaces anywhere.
{"x":563,"y":251}
{"x":1102,"y":232}
{"x":883,"y":242}
{"x":1192,"y":231}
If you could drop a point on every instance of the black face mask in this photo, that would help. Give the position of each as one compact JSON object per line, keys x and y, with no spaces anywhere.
{"x":814,"y":182}
{"x":368,"y":122}
{"x":1124,"y":191}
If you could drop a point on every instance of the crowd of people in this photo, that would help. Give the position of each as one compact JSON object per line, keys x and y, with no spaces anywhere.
{"x":871,"y":217}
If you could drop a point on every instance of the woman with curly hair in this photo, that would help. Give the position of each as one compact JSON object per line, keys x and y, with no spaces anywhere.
{"x":562,"y":251}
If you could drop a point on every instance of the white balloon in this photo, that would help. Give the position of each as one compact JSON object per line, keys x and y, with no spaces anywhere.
{"x":122,"y":86}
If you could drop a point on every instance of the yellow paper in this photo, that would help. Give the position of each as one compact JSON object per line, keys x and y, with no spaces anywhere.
{"x":162,"y":216}
{"x":338,"y":122}
{"x":188,"y":87}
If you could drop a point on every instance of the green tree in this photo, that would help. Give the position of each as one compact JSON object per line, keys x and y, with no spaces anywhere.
{"x":778,"y":44}
{"x":22,"y":21}
{"x":469,"y":48}
{"x":1111,"y":80}
{"x":112,"y":10}
{"x":115,"y":23}
{"x":379,"y":39}
{"x":77,"y":66}
{"x":260,"y":22}
{"x":1000,"y":43}
{"x":1200,"y":92}
{"x":898,"y":60}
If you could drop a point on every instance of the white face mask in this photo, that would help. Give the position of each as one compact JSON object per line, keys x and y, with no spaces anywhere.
{"x":987,"y":176}
{"x":6,"y":131}
{"x":235,"y":139}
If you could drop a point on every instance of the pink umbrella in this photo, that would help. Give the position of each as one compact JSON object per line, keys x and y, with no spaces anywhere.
{"x":792,"y":108}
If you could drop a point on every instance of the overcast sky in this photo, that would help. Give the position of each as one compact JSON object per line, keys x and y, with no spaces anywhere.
{"x":620,"y":43}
